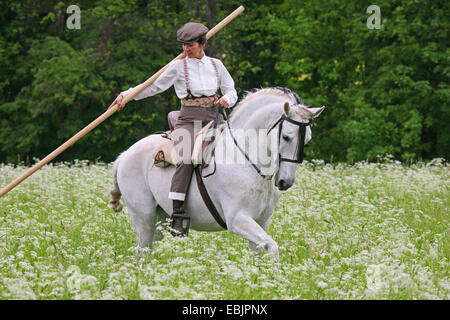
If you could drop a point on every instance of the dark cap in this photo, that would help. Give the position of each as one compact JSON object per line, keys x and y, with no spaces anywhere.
{"x":191,"y":31}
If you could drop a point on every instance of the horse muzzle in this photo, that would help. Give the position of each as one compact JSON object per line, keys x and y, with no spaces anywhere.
{"x":284,"y":184}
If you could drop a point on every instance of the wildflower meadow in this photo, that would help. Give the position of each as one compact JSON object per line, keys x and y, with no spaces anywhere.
{"x":362,"y":231}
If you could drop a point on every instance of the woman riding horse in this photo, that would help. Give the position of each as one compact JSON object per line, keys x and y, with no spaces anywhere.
{"x":196,"y":79}
{"x":248,"y":181}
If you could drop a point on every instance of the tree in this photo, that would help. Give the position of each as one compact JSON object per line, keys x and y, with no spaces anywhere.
{"x":386,"y":90}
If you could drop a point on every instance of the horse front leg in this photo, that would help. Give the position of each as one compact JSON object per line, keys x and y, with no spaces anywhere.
{"x":243,"y":224}
{"x":253,"y":246}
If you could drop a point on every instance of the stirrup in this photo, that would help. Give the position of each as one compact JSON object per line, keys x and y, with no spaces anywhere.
{"x":179,"y":224}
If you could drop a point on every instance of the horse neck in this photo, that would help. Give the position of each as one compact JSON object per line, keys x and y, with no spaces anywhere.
{"x":249,"y":121}
{"x":257,"y":114}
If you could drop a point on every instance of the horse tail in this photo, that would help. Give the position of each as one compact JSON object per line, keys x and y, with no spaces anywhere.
{"x":115,"y":193}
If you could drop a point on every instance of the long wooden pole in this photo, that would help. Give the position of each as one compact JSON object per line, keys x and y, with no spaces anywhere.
{"x":111,"y":110}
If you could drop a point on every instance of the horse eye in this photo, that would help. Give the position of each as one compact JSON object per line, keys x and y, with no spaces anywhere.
{"x":286,"y":138}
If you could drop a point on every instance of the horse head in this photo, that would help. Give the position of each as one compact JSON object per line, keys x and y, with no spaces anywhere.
{"x":293,"y":134}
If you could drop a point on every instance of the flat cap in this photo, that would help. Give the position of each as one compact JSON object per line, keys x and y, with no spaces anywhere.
{"x":191,"y":31}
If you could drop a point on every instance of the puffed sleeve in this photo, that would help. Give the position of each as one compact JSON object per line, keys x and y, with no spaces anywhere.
{"x":164,"y":82}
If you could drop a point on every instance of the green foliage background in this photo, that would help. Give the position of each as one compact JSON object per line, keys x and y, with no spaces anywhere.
{"x":386,"y":90}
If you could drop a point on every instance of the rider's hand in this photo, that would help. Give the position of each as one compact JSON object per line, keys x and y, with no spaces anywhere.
{"x":223,"y":102}
{"x":118,"y":101}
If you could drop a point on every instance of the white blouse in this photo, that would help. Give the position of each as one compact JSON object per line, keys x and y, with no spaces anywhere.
{"x":202,"y":80}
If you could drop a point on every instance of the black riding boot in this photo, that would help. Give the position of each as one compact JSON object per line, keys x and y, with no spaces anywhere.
{"x":179,"y":221}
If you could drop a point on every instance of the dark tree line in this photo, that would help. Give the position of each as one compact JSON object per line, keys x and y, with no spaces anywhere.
{"x":386,"y":90}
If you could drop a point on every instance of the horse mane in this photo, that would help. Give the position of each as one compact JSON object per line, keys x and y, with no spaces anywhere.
{"x":278,"y":91}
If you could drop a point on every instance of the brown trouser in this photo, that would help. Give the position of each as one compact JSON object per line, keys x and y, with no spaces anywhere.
{"x":189,"y":123}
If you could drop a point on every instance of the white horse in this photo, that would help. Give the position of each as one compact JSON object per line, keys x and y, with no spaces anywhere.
{"x":244,"y":198}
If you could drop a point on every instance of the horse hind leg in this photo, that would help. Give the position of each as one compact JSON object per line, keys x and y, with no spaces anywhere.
{"x":142,"y":208}
{"x":161,"y":218}
{"x":144,"y":221}
{"x":148,"y":219}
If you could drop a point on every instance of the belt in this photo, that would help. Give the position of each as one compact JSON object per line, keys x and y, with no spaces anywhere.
{"x":206,"y":102}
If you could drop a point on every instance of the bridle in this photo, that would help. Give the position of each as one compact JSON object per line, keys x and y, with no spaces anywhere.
{"x":300,"y":147}
{"x":301,"y":142}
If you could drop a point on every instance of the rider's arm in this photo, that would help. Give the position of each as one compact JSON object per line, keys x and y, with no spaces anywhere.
{"x":164,"y":82}
{"x":227,"y":86}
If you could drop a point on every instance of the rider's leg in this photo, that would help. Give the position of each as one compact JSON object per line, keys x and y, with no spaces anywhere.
{"x":178,"y":190}
{"x":190,"y":121}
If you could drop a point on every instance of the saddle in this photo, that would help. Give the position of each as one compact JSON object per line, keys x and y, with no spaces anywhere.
{"x":165,"y":153}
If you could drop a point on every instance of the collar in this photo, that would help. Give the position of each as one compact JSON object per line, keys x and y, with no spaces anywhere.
{"x":203,"y":60}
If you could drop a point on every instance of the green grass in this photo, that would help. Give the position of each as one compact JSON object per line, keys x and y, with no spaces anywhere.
{"x":367,"y":231}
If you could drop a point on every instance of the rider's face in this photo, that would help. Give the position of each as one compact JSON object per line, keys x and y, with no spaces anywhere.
{"x":194,"y":49}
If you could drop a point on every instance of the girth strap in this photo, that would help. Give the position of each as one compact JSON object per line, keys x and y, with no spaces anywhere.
{"x":206,"y":198}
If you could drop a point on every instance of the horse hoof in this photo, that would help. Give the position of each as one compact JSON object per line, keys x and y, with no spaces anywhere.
{"x":272,"y":249}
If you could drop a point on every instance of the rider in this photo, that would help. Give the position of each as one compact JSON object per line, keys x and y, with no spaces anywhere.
{"x":196,"y":79}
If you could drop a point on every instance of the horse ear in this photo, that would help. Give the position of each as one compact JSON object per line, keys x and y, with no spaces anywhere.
{"x":286,"y":108}
{"x":315,"y":112}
